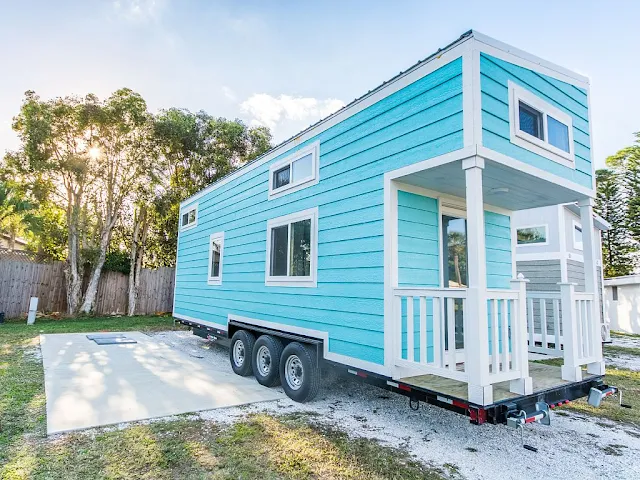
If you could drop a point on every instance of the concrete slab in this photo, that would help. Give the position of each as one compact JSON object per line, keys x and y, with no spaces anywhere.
{"x":89,"y":385}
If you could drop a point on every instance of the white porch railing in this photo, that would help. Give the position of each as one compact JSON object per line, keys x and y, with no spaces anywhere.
{"x":544,"y":308}
{"x":576,"y":329}
{"x":506,"y":335}
{"x":436,"y":347}
{"x":425,"y":333}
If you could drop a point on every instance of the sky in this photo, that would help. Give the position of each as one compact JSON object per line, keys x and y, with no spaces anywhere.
{"x":286,"y":64}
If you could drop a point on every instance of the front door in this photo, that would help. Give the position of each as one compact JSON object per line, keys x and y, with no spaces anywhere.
{"x":454,"y":266}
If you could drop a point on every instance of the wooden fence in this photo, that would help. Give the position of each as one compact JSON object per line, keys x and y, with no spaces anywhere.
{"x":21,"y":280}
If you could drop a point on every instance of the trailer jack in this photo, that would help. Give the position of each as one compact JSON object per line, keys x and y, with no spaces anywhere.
{"x":599,"y":393}
{"x":522,"y":418}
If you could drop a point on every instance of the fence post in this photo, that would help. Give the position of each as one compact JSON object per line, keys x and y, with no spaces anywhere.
{"x":571,"y":370}
{"x":519,"y":347}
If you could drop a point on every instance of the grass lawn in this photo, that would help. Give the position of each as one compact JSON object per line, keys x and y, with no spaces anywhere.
{"x":260,"y":446}
{"x":627,"y":380}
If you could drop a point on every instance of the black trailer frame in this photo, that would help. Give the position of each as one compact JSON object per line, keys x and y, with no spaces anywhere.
{"x":496,"y":413}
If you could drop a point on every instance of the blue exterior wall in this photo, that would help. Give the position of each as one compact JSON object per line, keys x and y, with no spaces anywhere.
{"x":418,"y":241}
{"x":421,"y":121}
{"x":494,"y":75}
{"x":497,"y":233}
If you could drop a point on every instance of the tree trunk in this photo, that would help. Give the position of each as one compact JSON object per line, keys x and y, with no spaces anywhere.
{"x":138,"y":241}
{"x":72,"y":270}
{"x":92,"y":288}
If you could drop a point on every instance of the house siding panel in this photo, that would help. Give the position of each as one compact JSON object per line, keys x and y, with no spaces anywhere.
{"x":498,"y":249}
{"x":420,"y":121}
{"x":494,"y":76}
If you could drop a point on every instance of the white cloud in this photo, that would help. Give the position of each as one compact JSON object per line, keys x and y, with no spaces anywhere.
{"x":271,"y":111}
{"x":229,"y":93}
{"x":139,"y":10}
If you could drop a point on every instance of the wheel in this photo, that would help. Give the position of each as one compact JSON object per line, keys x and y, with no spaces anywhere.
{"x":266,"y":360}
{"x":240,"y":352}
{"x":299,"y":372}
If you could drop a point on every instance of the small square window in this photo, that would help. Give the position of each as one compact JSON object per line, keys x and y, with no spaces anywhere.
{"x":531,"y":121}
{"x":558,"y":134}
{"x":281,"y":177}
{"x":189,"y":218}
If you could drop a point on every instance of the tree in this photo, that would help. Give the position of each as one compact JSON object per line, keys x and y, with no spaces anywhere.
{"x":85,"y":156}
{"x":627,"y":163}
{"x":14,"y":209}
{"x":196,"y":150}
{"x":617,"y":247}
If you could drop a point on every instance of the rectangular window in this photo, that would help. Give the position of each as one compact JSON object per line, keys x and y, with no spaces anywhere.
{"x":292,"y":249}
{"x":295,"y":172}
{"x":614,"y":293}
{"x":536,"y":235}
{"x":577,"y":236}
{"x":539,"y":126}
{"x":216,"y":246}
{"x":189,"y":217}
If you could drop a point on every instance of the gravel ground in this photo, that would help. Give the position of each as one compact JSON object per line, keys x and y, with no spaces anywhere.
{"x":631,"y":362}
{"x":573,"y":447}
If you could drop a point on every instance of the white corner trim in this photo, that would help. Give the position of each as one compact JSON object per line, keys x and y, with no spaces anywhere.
{"x":511,"y":162}
{"x":562,"y":239}
{"x":519,"y":57}
{"x":468,"y":113}
{"x":314,"y":150}
{"x":317,"y":334}
{"x":477,"y":96}
{"x":538,"y":225}
{"x":219,"y":238}
{"x":413,"y":74}
{"x":189,"y":209}
{"x":534,"y":144}
{"x":293,"y":281}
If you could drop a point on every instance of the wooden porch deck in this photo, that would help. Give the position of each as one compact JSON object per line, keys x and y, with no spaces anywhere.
{"x":543,"y":376}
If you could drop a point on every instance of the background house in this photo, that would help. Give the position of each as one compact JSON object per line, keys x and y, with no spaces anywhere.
{"x":622,"y":303}
{"x":549,"y":249}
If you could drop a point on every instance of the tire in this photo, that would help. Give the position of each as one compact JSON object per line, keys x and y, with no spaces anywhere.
{"x":266,"y":360}
{"x":240,"y":351}
{"x":299,"y":372}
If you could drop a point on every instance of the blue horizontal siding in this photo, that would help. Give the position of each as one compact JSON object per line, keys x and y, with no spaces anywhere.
{"x":420,"y":121}
{"x":418,"y":241}
{"x":498,"y":249}
{"x":494,"y":76}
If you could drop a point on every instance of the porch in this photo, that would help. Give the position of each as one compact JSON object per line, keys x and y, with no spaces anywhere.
{"x":468,"y":330}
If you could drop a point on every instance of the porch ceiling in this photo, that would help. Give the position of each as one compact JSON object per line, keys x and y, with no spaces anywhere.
{"x":502,"y":186}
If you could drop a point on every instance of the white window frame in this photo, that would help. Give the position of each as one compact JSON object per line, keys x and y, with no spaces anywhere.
{"x":219,"y":237}
{"x":294,"y":281}
{"x":518,"y":94}
{"x":541,"y":244}
{"x":314,"y":150}
{"x":576,"y":245}
{"x":189,"y":226}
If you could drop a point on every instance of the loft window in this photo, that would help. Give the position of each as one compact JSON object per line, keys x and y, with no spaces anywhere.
{"x":539,"y":126}
{"x":531,"y":120}
{"x":216,"y":246}
{"x":298,"y":171}
{"x":536,"y":235}
{"x":189,"y":217}
{"x":292,"y":249}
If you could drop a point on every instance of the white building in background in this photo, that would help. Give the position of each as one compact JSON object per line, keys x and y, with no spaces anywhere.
{"x":622,"y":303}
{"x":549,"y":251}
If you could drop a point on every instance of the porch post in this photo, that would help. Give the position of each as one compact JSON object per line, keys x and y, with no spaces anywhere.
{"x":520,"y":347}
{"x":591,"y":282}
{"x":476,"y":335}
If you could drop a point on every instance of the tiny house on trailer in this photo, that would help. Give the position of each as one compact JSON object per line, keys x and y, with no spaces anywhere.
{"x":380,"y":240}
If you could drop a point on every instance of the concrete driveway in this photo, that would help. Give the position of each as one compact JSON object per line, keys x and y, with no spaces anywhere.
{"x":89,"y":385}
